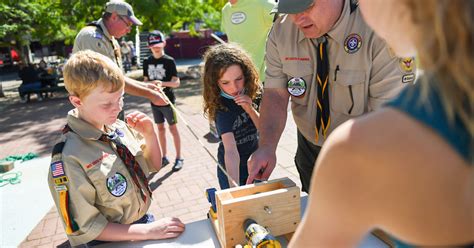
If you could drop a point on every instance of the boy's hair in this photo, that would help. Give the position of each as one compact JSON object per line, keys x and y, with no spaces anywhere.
{"x":216,"y":61}
{"x":85,"y":70}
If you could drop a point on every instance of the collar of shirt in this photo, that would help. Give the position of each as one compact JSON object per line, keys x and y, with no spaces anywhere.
{"x":338,"y":31}
{"x":86,"y":130}
{"x":104,"y":29}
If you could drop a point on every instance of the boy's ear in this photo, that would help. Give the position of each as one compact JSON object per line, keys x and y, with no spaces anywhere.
{"x":76,"y":101}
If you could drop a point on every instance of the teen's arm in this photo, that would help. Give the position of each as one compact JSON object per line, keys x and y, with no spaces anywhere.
{"x":231,"y":157}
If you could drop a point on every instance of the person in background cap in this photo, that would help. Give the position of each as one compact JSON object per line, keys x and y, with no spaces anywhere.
{"x":247,"y":23}
{"x":160,"y":69}
{"x":323,"y":56}
{"x":101,"y":36}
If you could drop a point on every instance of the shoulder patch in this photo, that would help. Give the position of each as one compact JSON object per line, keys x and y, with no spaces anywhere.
{"x":57,"y":169}
{"x":407,"y":64}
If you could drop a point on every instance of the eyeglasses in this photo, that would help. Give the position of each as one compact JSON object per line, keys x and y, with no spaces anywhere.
{"x":128,"y":24}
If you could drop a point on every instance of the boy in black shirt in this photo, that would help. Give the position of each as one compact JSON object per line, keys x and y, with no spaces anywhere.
{"x":161,"y":69}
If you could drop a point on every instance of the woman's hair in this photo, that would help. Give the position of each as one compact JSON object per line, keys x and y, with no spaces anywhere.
{"x":216,"y":61}
{"x":445,"y":45}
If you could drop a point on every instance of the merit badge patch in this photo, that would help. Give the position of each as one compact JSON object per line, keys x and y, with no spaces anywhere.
{"x":352,"y":43}
{"x":117,"y":184}
{"x":57,"y":169}
{"x":238,"y":17}
{"x":407,"y":64}
{"x":408,"y":78}
{"x":296,"y":86}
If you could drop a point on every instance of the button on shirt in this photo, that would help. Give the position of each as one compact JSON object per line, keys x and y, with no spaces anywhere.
{"x":100,"y":188}
{"x":361,"y":76}
{"x":92,"y":38}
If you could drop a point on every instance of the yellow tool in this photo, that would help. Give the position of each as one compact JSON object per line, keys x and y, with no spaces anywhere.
{"x":258,"y":236}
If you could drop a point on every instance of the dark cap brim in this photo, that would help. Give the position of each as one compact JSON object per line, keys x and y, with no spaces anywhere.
{"x":291,"y":6}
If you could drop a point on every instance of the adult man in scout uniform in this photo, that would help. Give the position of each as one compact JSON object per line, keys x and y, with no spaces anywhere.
{"x":100,"y":36}
{"x":325,"y":58}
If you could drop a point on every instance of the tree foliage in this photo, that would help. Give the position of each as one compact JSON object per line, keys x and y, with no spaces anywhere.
{"x":47,"y":21}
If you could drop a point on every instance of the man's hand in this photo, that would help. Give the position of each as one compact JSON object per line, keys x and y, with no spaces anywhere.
{"x":261,"y":165}
{"x":158,"y":97}
{"x":165,"y":228}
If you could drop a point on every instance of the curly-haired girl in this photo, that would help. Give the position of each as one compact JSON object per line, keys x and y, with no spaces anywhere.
{"x":231,"y":86}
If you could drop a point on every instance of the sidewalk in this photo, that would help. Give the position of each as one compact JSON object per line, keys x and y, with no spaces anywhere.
{"x":34,"y":128}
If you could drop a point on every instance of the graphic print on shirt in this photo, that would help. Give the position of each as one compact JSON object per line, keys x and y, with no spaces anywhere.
{"x":243,"y":134}
{"x":156,"y":72}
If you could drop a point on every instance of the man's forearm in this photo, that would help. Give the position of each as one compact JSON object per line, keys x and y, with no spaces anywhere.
{"x":137,"y":88}
{"x":272,"y":117}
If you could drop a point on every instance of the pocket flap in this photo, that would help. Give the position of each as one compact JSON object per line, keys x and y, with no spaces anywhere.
{"x":295,"y":69}
{"x":349,"y":77}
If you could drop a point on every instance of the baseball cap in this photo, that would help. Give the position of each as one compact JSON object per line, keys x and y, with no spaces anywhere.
{"x":291,"y":6}
{"x":122,"y":8}
{"x":156,"y":38}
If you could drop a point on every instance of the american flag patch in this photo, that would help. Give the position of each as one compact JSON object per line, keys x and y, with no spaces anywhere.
{"x":57,"y":169}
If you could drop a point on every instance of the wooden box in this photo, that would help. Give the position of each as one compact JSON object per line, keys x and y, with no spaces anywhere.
{"x":273,"y":204}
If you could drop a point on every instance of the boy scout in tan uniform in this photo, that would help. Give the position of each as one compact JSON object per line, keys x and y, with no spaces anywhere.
{"x":98,"y":174}
{"x":363,"y":73}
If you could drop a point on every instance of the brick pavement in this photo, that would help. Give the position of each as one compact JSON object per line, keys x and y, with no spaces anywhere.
{"x":33,"y":128}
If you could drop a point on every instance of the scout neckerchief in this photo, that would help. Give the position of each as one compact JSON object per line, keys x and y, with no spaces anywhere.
{"x":128,"y":159}
{"x":323,"y":118}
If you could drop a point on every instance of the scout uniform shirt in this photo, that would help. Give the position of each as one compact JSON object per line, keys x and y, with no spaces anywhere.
{"x":96,"y":37}
{"x":99,"y":186}
{"x":363,"y":71}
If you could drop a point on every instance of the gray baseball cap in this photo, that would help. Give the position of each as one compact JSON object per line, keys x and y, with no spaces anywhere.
{"x":291,"y":6}
{"x":122,"y":8}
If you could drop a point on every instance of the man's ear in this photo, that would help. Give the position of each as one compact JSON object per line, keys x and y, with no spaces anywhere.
{"x":76,"y":101}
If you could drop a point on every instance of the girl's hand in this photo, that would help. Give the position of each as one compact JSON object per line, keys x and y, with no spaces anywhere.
{"x":244,"y":101}
{"x":140,"y":122}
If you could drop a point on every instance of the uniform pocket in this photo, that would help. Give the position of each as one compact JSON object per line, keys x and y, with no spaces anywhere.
{"x":301,"y":70}
{"x":348,"y":94}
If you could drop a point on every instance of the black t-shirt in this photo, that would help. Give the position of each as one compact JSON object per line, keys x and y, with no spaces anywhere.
{"x":162,"y":69}
{"x":237,"y":121}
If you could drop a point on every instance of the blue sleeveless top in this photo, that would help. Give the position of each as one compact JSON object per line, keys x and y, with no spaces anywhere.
{"x":431,"y":113}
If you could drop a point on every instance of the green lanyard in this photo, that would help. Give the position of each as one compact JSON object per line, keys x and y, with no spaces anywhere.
{"x":10,"y":178}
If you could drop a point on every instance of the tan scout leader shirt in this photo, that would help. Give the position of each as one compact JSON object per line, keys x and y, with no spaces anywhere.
{"x":93,"y":169}
{"x":98,"y":40}
{"x":367,"y":68}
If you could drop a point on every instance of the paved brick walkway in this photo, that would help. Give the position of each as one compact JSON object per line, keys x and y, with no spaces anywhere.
{"x":34,"y":127}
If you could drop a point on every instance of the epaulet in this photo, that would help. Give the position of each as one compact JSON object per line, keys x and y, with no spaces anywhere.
{"x":354,"y":5}
{"x":99,"y":32}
